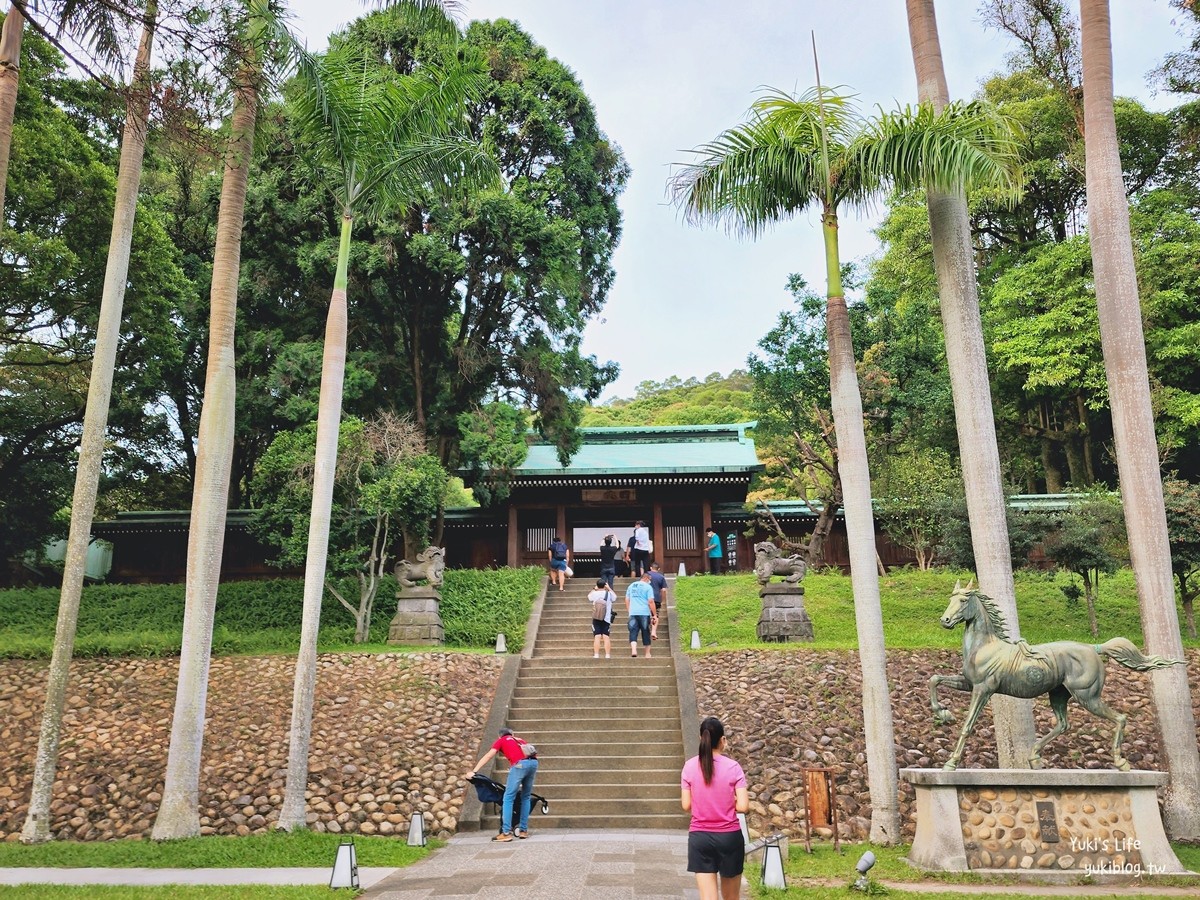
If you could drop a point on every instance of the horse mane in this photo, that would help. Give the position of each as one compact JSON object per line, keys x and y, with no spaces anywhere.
{"x":993,"y":613}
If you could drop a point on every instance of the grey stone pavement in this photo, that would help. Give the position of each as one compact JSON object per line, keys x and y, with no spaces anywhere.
{"x":564,"y":863}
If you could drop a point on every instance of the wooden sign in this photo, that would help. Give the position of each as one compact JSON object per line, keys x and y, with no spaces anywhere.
{"x":609,"y":495}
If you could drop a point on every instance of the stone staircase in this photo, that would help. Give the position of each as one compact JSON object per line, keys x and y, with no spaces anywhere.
{"x":607,"y":730}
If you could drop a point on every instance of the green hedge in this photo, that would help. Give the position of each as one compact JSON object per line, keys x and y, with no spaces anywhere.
{"x":258,"y":616}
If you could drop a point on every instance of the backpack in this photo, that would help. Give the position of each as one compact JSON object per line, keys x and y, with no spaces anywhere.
{"x":559,"y":549}
{"x":601,"y":608}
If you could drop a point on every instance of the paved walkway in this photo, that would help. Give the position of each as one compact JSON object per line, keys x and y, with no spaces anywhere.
{"x":555,"y":865}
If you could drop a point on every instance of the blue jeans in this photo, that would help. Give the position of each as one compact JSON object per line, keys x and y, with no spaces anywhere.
{"x":608,"y":575}
{"x":520,"y":778}
{"x":639,"y":625}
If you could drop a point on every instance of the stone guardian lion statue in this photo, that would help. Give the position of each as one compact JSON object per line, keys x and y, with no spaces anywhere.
{"x":429,"y":565}
{"x":769,"y":560}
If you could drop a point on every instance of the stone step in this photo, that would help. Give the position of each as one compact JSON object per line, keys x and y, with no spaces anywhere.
{"x":599,"y":722}
{"x":539,"y":734}
{"x":622,"y":821}
{"x":614,"y":778}
{"x":590,"y":759}
{"x":647,"y":701}
{"x":615,"y":677}
{"x":562,"y":807}
{"x":579,"y":692}
{"x":550,"y":749}
{"x":632,"y":793}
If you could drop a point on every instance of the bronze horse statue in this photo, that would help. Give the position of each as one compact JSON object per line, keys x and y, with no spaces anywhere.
{"x":993,"y":664}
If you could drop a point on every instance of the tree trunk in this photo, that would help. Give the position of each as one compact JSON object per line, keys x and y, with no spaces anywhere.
{"x":329,"y":416}
{"x":967,"y":361}
{"x":1053,"y":473}
{"x":179,"y":813}
{"x":1090,"y":587}
{"x":95,"y":420}
{"x":882,"y":778}
{"x":1133,"y":421}
{"x":1186,"y":596}
{"x":10,"y":72}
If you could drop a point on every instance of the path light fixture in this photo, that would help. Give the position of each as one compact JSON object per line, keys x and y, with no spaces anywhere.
{"x":501,"y":644}
{"x":695,"y":640}
{"x":745,"y":827}
{"x":772,"y":870}
{"x":416,"y":830}
{"x":862,"y":867}
{"x":345,"y":867}
{"x":682,"y":570}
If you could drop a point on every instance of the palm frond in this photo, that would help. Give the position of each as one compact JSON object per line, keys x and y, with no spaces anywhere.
{"x":774,"y":165}
{"x":98,"y":27}
{"x":964,"y":147}
{"x":437,"y":168}
{"x":439,"y":17}
{"x":381,"y":139}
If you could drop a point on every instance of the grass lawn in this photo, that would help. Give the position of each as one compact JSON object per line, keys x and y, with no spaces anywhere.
{"x":825,"y":874}
{"x":725,"y":610}
{"x":273,"y":850}
{"x":259,"y":618}
{"x":176,"y":892}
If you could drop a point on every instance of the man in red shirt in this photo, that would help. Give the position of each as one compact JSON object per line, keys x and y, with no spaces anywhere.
{"x":522,"y":770}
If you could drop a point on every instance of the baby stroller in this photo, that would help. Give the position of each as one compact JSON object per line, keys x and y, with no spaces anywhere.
{"x":489,"y":790}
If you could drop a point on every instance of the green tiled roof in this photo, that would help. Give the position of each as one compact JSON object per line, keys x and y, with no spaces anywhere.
{"x":667,"y":449}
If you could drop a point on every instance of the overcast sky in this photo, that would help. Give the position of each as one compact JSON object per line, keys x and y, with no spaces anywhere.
{"x":667,"y":75}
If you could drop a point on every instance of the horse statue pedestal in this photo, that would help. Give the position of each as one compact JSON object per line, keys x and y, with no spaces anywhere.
{"x":1041,"y":824}
{"x":418,"y":619}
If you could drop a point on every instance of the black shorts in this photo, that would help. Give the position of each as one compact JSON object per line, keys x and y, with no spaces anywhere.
{"x":723,"y":852}
{"x":599,"y":627}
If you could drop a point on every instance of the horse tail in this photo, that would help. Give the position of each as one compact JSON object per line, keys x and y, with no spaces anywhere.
{"x":1123,"y":651}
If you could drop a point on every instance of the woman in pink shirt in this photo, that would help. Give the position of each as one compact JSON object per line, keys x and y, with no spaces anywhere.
{"x":713,"y":790}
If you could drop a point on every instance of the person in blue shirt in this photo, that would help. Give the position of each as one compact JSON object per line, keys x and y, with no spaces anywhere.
{"x":639,"y":601}
{"x":658,"y":584}
{"x":714,"y":552}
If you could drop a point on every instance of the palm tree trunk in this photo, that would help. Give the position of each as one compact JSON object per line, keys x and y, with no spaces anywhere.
{"x":95,"y":420}
{"x":1133,"y":420}
{"x":860,"y":536}
{"x":966,"y":359}
{"x":329,"y":415}
{"x":179,"y":813}
{"x":10,"y":71}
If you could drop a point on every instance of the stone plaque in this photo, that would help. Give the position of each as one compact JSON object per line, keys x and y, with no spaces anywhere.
{"x":1047,"y":821}
{"x":609,"y":495}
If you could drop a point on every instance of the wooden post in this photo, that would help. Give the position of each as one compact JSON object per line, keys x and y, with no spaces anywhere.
{"x":820,"y":803}
{"x":660,"y":548}
{"x":560,"y":525}
{"x":514,"y":538}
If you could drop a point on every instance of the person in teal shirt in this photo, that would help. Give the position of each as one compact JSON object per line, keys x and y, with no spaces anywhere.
{"x":714,"y":552}
{"x":639,"y":601}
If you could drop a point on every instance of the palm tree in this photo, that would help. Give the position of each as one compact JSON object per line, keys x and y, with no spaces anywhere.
{"x":816,"y":151}
{"x":95,"y":420}
{"x":93,"y":23}
{"x":10,"y":70}
{"x":953,"y":259}
{"x":179,"y":815}
{"x":1124,"y":350}
{"x":381,"y":141}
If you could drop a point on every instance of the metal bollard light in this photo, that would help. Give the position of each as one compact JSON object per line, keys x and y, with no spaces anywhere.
{"x":416,"y":830}
{"x":501,"y":643}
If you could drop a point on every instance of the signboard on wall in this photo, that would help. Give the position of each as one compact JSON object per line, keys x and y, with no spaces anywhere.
{"x":609,"y":495}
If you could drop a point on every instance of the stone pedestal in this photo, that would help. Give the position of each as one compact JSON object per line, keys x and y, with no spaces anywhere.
{"x":418,"y":619}
{"x":784,"y":617}
{"x":1041,"y":823}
